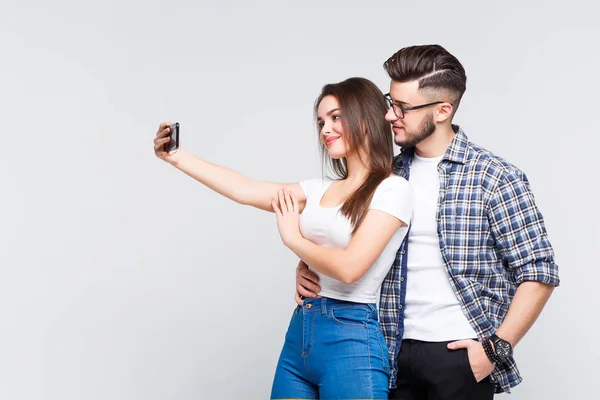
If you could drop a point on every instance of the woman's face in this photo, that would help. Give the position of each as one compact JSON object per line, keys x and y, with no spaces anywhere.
{"x":331,"y":131}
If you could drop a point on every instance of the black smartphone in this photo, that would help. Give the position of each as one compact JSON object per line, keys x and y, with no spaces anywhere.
{"x":173,"y":144}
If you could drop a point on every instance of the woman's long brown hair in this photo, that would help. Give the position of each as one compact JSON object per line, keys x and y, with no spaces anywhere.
{"x":362,"y":110}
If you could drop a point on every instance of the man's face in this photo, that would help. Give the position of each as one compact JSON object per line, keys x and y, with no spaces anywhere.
{"x":416,"y":125}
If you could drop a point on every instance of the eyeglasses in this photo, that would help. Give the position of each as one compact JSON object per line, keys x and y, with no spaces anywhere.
{"x":399,"y":109}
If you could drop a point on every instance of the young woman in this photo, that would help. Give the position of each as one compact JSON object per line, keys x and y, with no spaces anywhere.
{"x":346,"y":229}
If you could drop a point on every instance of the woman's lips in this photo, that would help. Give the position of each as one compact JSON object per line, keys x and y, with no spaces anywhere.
{"x":331,"y":140}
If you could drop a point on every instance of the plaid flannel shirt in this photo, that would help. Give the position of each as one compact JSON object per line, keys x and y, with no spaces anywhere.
{"x":492,"y":238}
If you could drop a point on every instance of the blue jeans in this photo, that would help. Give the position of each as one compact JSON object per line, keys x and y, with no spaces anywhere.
{"x":333,"y":349}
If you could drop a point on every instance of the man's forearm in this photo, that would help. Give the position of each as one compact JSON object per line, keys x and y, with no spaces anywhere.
{"x":527,"y":304}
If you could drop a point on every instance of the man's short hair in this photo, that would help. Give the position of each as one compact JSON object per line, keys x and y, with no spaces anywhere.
{"x":433,"y":66}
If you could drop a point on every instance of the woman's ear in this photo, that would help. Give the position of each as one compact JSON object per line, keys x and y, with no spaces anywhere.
{"x":363,"y":128}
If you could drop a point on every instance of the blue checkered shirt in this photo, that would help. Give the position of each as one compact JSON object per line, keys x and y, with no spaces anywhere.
{"x":492,"y":238}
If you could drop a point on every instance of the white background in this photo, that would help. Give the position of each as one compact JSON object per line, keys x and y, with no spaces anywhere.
{"x":122,"y":278}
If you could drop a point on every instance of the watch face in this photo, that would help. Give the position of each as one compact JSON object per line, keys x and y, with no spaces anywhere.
{"x":503,"y":349}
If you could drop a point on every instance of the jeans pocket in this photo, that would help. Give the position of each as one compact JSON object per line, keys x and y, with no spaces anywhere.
{"x":384,"y":349}
{"x":350,"y":316}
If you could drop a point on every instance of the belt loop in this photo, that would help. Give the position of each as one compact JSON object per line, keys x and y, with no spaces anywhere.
{"x":324,"y":307}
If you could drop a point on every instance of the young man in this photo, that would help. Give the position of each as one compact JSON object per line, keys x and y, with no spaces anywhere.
{"x":476,"y":268}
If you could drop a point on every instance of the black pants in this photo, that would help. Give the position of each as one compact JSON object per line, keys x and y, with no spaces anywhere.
{"x":430,"y":371}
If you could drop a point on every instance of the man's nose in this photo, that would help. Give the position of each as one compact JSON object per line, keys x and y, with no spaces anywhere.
{"x":391,"y":116}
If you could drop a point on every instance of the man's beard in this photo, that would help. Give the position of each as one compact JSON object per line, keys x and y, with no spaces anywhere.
{"x":426,"y":129}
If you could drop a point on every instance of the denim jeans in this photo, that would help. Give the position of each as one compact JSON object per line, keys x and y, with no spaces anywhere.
{"x":333,"y":349}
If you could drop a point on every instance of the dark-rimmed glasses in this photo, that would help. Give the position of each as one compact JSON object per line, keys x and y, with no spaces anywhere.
{"x":399,"y":109}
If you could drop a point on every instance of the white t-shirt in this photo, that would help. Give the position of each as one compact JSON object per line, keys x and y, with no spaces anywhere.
{"x":326,"y":226}
{"x":432,"y":312}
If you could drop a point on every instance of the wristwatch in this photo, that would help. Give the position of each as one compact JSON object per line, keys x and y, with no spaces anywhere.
{"x":502,"y":348}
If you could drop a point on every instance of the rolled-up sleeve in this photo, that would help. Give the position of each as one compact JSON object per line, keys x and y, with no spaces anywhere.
{"x":519,"y":232}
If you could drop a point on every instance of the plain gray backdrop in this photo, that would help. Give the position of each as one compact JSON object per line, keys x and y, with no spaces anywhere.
{"x":122,"y":278}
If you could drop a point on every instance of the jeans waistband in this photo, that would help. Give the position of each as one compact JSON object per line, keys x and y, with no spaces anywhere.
{"x":322,"y":304}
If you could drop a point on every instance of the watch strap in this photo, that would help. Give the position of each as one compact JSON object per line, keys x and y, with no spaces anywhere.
{"x":494,"y":338}
{"x":489,"y":351}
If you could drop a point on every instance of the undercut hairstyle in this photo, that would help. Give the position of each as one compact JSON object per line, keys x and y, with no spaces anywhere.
{"x":437,"y":71}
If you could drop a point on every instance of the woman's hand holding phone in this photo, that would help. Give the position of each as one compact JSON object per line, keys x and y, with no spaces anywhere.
{"x":166,"y":142}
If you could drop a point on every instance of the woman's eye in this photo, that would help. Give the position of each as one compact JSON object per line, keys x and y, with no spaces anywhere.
{"x":335,"y":117}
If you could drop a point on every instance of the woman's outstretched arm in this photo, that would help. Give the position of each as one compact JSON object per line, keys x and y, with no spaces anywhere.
{"x":227,"y":182}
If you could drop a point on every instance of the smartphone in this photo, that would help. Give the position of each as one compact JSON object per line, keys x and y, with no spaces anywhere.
{"x":173,"y":144}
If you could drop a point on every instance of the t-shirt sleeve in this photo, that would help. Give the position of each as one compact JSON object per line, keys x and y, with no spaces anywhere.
{"x":395,"y":196}
{"x":309,"y":186}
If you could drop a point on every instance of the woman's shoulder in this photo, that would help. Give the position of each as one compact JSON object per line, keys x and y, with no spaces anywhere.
{"x":394,"y":182}
{"x":393,"y":188}
{"x":396,"y":197}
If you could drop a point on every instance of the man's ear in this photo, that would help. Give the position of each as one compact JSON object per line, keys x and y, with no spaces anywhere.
{"x":444,"y":112}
